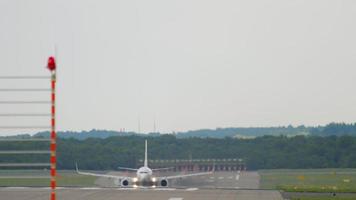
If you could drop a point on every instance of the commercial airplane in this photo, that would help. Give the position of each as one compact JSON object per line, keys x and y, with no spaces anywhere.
{"x":144,"y":176}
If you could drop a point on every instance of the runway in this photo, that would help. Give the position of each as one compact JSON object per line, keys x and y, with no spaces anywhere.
{"x":135,"y":194}
{"x":221,"y":185}
{"x":231,"y":180}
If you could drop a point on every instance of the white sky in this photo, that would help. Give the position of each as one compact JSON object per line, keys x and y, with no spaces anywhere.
{"x":188,"y":64}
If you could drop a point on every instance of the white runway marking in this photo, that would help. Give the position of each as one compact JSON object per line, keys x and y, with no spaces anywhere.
{"x":231,"y":177}
{"x":237,"y":177}
{"x":25,"y":188}
{"x":175,"y":198}
{"x":147,"y":189}
{"x":126,"y":188}
{"x":220,"y":178}
{"x":165,"y":189}
{"x":212,"y":177}
{"x":15,"y":188}
{"x":191,"y":189}
{"x":86,"y":188}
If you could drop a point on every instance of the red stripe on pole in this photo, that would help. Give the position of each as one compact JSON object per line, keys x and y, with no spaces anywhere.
{"x":53,"y":98}
{"x":53,"y":184}
{"x":53,"y":84}
{"x":53,"y":159}
{"x":53,"y":123}
{"x":53,"y":196}
{"x":53,"y":135}
{"x":53,"y":172}
{"x":53,"y":110}
{"x":53,"y":147}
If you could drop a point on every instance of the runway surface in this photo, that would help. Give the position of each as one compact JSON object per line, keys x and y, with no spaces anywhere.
{"x":235,"y":180}
{"x":136,"y":194}
{"x":221,"y":185}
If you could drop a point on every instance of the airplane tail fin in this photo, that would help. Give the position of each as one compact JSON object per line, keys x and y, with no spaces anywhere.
{"x":145,"y":163}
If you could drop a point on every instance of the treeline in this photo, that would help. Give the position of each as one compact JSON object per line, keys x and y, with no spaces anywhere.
{"x":251,"y":131}
{"x":267,"y":152}
{"x":337,"y":129}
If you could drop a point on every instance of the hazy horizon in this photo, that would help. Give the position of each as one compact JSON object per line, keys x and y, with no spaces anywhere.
{"x":185,"y":65}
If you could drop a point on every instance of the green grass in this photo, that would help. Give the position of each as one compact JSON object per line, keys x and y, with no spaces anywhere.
{"x":323,"y":198}
{"x":313,"y":180}
{"x":23,"y":178}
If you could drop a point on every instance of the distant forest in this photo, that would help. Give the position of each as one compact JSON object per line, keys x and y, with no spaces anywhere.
{"x":330,"y":146}
{"x":265,"y":152}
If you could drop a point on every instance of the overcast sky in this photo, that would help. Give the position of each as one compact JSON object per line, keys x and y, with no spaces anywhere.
{"x":187,"y":64}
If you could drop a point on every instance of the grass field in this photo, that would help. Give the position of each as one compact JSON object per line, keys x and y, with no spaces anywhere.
{"x":39,"y":178}
{"x":309,"y":180}
{"x":323,"y":198}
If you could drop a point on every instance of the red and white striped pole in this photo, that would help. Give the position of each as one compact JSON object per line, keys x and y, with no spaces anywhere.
{"x":51,"y":65}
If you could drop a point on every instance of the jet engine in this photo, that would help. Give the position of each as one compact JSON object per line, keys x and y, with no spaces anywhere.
{"x":164,"y":183}
{"x":124,"y":182}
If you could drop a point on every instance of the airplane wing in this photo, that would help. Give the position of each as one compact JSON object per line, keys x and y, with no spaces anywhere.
{"x":161,"y":169}
{"x":186,"y":175}
{"x":126,"y":168}
{"x":100,"y":175}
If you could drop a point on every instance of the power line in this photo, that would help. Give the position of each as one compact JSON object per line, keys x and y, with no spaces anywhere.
{"x":25,"y":115}
{"x":25,"y":90}
{"x":24,"y":152}
{"x":25,"y":140}
{"x":25,"y":127}
{"x":25,"y":164}
{"x":25,"y":77}
{"x":25,"y":102}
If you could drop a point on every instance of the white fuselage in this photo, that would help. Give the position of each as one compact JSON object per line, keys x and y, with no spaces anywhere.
{"x":144,"y":174}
